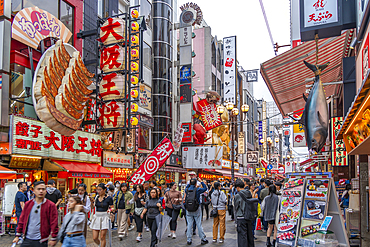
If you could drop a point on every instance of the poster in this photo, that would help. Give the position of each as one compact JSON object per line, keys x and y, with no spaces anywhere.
{"x":210,"y":118}
{"x":317,"y":189}
{"x":290,"y":212}
{"x":145,"y":98}
{"x":318,"y":13}
{"x":202,"y":157}
{"x":313,"y":209}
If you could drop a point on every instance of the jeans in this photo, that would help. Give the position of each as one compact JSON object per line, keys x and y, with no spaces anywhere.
{"x":174,"y":215}
{"x":18,"y":216}
{"x":219,"y":220}
{"x":197,"y":217}
{"x":139,"y":223}
{"x":153,"y":229}
{"x":33,"y":243}
{"x":78,"y":241}
{"x":186,"y":221}
{"x":245,"y":235}
{"x":206,"y":207}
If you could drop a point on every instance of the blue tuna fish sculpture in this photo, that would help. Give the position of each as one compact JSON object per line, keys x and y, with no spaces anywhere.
{"x":315,"y":117}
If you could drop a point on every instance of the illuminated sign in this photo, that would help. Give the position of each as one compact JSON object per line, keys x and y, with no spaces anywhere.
{"x":339,"y":154}
{"x":111,"y":159}
{"x":31,"y":137}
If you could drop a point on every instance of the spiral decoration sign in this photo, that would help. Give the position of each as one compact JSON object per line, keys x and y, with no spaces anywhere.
{"x":153,"y":162}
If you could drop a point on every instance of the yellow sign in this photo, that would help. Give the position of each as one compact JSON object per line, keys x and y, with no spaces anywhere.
{"x":260,"y":171}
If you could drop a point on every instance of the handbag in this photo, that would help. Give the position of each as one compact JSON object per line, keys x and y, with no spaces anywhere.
{"x":176,"y":207}
{"x":214,"y":212}
{"x":63,"y":235}
{"x":138,"y":211}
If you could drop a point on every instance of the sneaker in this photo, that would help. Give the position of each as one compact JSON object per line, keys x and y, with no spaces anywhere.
{"x":194,"y":233}
{"x":170,"y":235}
{"x":131,"y":227}
{"x":138,"y":239}
{"x":221,"y":241}
{"x":147,"y":229}
{"x":173,"y":235}
{"x":203,"y":242}
{"x":120,"y":237}
{"x":214,"y":240}
{"x":189,"y":242}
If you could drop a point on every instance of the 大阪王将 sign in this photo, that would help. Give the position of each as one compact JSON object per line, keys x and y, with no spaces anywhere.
{"x":31,"y":137}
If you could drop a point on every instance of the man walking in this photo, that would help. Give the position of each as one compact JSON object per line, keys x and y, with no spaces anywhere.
{"x":245,"y":213}
{"x":20,"y":200}
{"x":193,"y":211}
{"x":264,"y":193}
{"x":38,"y":220}
{"x":53,"y":194}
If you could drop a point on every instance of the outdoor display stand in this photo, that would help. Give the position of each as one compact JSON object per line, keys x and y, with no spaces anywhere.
{"x":309,"y":212}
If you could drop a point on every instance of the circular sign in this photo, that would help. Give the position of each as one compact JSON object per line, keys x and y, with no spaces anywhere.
{"x":187,"y":17}
{"x":151,"y":165}
{"x":191,"y":14}
{"x":281,"y":170}
{"x":269,"y":167}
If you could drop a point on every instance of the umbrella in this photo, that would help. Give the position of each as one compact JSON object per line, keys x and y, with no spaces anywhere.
{"x":162,"y":220}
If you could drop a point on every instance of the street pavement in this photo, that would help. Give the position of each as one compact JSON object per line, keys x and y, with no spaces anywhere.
{"x":180,"y":241}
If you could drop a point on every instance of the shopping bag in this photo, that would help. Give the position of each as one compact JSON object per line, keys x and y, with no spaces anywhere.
{"x":258,"y":224}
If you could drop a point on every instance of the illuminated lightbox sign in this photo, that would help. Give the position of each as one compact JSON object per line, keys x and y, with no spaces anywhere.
{"x":31,"y":137}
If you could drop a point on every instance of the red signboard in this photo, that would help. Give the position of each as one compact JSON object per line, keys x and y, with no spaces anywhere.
{"x":187,"y":134}
{"x":210,"y":117}
{"x":153,"y":162}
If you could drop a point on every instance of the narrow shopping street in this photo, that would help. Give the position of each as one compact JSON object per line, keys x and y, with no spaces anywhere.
{"x":230,"y":237}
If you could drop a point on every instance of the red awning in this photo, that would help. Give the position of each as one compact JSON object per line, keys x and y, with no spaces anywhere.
{"x":6,"y":173}
{"x":285,"y":74}
{"x":83,"y":170}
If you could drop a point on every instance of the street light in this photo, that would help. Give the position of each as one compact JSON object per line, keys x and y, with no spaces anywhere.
{"x":276,"y":139}
{"x":233,"y":112}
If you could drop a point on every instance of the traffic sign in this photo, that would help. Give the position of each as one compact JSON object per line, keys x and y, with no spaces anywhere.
{"x":269,"y":167}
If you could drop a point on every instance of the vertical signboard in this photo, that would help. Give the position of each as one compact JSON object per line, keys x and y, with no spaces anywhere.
{"x":339,"y":154}
{"x":264,"y":130}
{"x":230,"y":69}
{"x":260,"y":132}
{"x":241,"y":143}
{"x":299,"y":138}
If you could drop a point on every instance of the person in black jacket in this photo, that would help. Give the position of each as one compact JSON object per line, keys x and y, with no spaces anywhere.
{"x":53,"y":194}
{"x":245,"y":214}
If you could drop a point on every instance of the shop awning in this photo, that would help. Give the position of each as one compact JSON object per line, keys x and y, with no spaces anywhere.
{"x":285,"y":74}
{"x":227,"y":173}
{"x":82,"y":170}
{"x":6,"y":173}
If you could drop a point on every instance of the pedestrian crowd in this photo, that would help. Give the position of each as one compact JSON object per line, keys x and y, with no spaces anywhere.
{"x":116,"y":207}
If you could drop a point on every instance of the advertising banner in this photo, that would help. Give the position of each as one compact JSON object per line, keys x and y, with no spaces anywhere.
{"x":260,"y":171}
{"x":153,"y":162}
{"x":288,"y":167}
{"x":202,"y":157}
{"x":177,"y":139}
{"x":112,"y":159}
{"x":31,"y":137}
{"x":230,"y":69}
{"x":241,"y":143}
{"x":211,"y":119}
{"x":145,"y":98}
{"x":299,"y":139}
{"x":260,"y":132}
{"x":187,"y":137}
{"x":339,"y":153}
{"x":31,"y":25}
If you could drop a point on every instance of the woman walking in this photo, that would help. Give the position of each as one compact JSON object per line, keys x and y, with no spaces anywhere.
{"x":173,"y":205}
{"x":140,"y":199}
{"x":124,"y":208}
{"x":86,"y":203}
{"x":269,"y":206}
{"x":153,"y":207}
{"x":73,"y":224}
{"x":219,"y":201}
{"x":100,"y":221}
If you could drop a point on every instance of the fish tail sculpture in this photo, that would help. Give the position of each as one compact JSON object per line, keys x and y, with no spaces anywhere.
{"x":315,"y":116}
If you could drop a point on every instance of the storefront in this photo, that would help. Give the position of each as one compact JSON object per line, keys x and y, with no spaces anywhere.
{"x":37,"y":152}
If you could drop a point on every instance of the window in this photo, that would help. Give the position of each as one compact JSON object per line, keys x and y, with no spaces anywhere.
{"x":67,"y":16}
{"x":147,"y":55}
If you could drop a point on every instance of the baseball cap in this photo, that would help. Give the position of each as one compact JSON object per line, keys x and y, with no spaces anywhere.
{"x":192,"y":173}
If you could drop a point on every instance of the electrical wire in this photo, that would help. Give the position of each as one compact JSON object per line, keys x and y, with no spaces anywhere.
{"x":268,"y":26}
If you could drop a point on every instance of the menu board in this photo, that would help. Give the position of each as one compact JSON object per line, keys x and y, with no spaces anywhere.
{"x":289,"y":214}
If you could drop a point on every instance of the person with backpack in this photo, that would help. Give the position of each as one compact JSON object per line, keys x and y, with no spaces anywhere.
{"x":193,"y":212}
{"x":269,"y":206}
{"x":344,"y":200}
{"x":245,"y":214}
{"x":219,"y":201}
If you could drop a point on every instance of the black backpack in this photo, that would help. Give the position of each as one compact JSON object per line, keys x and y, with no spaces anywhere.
{"x":191,"y":202}
{"x":250,"y":206}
